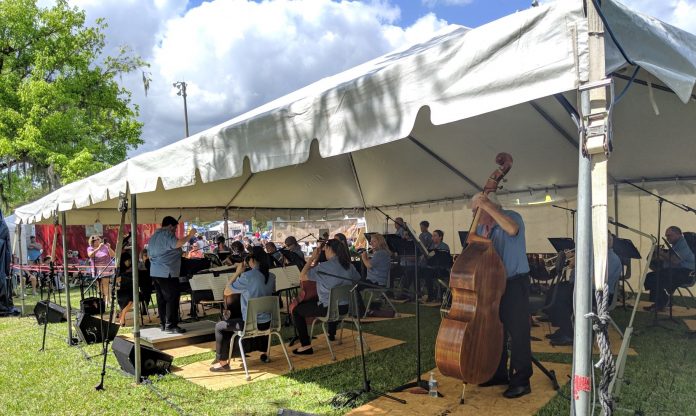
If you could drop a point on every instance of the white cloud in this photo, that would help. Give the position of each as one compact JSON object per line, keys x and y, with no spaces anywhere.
{"x":236,"y":54}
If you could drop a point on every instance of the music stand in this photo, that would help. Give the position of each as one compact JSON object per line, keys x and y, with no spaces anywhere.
{"x":419,"y":385}
{"x":463,"y":236}
{"x":623,"y":247}
{"x":368,"y":237}
{"x":562,"y":243}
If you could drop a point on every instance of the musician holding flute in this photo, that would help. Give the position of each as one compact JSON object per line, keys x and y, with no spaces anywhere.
{"x":677,"y":264}
{"x":165,"y":267}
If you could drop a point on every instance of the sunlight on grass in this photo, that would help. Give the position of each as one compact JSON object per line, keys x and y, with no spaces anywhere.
{"x":61,"y":381}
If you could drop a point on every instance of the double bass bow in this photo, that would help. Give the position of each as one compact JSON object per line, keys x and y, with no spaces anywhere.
{"x":470,"y":339}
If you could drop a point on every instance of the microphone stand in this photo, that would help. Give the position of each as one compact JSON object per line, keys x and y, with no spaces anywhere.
{"x":419,"y":386}
{"x":658,"y":273}
{"x":572,"y":213}
{"x":353,"y":395}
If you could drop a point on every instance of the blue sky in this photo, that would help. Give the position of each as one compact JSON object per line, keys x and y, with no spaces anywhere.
{"x":471,"y":13}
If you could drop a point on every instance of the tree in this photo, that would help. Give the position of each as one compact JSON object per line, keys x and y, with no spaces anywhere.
{"x":63,"y":115}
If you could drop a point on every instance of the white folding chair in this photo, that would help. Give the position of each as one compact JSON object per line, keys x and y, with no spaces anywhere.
{"x":268,"y":304}
{"x":337,"y":295}
{"x":381,"y":292}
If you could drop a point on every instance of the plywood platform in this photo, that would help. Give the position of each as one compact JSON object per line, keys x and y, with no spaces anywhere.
{"x":691,"y":324}
{"x":199,"y":373}
{"x":196,"y":332}
{"x":543,"y":345}
{"x":478,"y":401}
{"x":371,"y":319}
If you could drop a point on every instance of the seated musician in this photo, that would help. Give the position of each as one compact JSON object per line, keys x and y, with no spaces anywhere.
{"x":399,"y":223}
{"x":425,"y":237}
{"x":337,"y":263}
{"x":377,"y":266}
{"x":438,"y":265}
{"x":292,"y":245}
{"x":256,"y":282}
{"x":561,"y":310}
{"x":124,"y":281}
{"x":677,"y":264}
{"x":220,"y":245}
{"x":276,"y":256}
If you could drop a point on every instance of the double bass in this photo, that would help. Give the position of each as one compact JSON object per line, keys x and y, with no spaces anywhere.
{"x":470,"y":339}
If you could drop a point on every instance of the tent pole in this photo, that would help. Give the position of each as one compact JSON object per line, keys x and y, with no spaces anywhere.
{"x":64,"y":241}
{"x":592,"y":225}
{"x":136,"y":286}
{"x":582,"y":347}
{"x":225,"y":225}
{"x":616,"y":209}
{"x":22,"y":291}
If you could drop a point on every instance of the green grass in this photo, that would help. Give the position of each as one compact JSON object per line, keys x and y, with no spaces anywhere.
{"x":61,"y":381}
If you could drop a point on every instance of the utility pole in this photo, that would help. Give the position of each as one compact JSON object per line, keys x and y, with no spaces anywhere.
{"x":181,"y":85}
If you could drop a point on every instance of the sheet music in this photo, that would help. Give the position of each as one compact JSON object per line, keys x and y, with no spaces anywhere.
{"x":286,"y":277}
{"x":209,"y":281}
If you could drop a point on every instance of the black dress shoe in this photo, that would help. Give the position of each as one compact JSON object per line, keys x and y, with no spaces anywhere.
{"x":553,"y":335}
{"x":308,"y":351}
{"x":517,"y":391}
{"x":561,"y":341}
{"x":332,"y":337}
{"x":495,"y":382}
{"x":176,"y":330}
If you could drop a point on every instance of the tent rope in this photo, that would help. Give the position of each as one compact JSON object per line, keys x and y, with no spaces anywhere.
{"x":600,"y":325}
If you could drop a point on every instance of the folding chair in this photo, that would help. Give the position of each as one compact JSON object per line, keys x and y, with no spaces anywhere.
{"x":268,"y":304}
{"x":337,"y":295}
{"x":381,"y":292}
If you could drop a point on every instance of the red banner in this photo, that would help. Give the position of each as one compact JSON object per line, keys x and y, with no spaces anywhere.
{"x":77,"y":240}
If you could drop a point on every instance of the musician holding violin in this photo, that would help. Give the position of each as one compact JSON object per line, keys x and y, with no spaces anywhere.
{"x":337,"y":263}
{"x":506,"y":229}
{"x":251,"y":280}
{"x":677,"y":264}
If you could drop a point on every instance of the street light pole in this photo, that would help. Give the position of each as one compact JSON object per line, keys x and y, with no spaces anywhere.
{"x":181,"y":85}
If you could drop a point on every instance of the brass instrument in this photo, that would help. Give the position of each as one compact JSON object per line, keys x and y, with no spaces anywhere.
{"x":562,"y":260}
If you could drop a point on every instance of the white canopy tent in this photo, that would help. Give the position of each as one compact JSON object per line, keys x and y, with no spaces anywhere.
{"x":423,"y":125}
{"x":420,"y":124}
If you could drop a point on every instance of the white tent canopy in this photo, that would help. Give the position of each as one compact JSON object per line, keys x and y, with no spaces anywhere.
{"x":420,"y":124}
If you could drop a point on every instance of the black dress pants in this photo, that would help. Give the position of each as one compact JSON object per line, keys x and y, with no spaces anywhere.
{"x":514,"y":313}
{"x":670,"y":280}
{"x":224,"y":330}
{"x":168,"y":295}
{"x":312,"y":309}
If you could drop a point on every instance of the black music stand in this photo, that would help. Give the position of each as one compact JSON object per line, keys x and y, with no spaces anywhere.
{"x":624,"y":248}
{"x":414,"y":247}
{"x":562,"y":243}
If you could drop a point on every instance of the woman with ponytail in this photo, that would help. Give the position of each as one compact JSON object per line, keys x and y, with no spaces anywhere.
{"x":337,"y":263}
{"x":255,"y":282}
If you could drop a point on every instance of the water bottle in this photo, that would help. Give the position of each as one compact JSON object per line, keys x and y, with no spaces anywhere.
{"x":432,"y":385}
